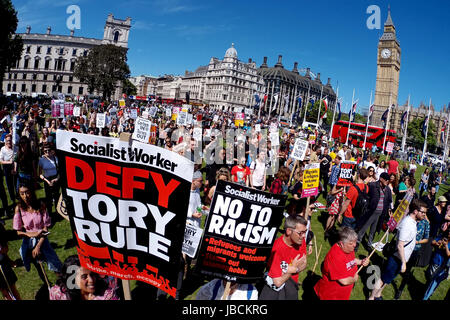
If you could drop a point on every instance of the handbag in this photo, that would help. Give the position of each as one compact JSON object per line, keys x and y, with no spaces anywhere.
{"x":391,"y":247}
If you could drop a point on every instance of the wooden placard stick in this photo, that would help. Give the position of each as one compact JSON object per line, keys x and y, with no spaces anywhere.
{"x":126,"y":289}
{"x":373,"y":251}
{"x":226,"y":293}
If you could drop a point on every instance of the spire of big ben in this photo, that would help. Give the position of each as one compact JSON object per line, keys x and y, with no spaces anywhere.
{"x":389,"y":21}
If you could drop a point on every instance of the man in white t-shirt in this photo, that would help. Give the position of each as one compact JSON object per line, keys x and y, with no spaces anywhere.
{"x":412,"y":167}
{"x":406,"y":242}
{"x":343,"y":152}
{"x":194,"y":216}
{"x":258,"y":172}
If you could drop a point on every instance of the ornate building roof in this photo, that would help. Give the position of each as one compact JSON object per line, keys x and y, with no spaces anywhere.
{"x":278,"y":72}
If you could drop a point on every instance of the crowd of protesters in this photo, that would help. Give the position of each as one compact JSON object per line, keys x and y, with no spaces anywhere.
{"x":29,"y":162}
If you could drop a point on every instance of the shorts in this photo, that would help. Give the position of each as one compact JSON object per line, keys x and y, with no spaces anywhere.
{"x":391,"y":270}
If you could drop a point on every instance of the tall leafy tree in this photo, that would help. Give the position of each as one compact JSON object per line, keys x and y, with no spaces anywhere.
{"x":11,"y":45}
{"x":103,"y":68}
{"x":416,"y":137}
{"x":128,"y":88}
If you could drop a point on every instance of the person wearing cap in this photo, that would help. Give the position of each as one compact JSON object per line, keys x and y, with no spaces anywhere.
{"x":194,"y":215}
{"x":380,"y":200}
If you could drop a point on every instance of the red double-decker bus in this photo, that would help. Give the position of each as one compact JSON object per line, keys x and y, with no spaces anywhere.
{"x":375,"y":135}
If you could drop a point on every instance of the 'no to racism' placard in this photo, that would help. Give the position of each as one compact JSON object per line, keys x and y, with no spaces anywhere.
{"x":127,"y":206}
{"x":239,"y":233}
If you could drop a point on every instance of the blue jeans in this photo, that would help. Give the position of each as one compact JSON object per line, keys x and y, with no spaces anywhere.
{"x":439,"y":276}
{"x":349,"y":222}
{"x":53,"y":262}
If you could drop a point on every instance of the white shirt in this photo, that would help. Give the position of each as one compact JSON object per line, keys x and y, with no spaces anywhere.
{"x":194,"y":203}
{"x":368,"y":164}
{"x":259,"y":172}
{"x":341,"y":153}
{"x":412,"y":167}
{"x":6,"y":154}
{"x":407,"y":230}
{"x":241,"y":293}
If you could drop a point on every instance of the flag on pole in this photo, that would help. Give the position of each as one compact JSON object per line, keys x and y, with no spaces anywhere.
{"x":339,"y":109}
{"x":444,"y":128}
{"x":371,"y":110}
{"x":258,"y":100}
{"x":384,"y":117}
{"x":299,"y":99}
{"x":352,"y":112}
{"x":325,"y":103}
{"x":403,"y":120}
{"x":286,"y":103}
{"x":275,"y":98}
{"x":424,"y":126}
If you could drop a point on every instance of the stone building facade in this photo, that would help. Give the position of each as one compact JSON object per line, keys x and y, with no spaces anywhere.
{"x":48,"y":60}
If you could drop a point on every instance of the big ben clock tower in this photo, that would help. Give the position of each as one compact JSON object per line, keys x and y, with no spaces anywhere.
{"x":388,"y":71}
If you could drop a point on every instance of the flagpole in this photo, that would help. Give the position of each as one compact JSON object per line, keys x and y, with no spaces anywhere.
{"x":406,"y":128}
{"x":306,"y":103}
{"x":351,"y":114}
{"x":320,"y":105}
{"x":446,"y":138}
{"x":367,"y":125}
{"x":387,"y":120}
{"x":334,"y":112}
{"x":426,"y":134}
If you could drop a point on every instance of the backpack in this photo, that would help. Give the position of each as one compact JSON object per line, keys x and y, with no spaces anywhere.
{"x":362,"y":202}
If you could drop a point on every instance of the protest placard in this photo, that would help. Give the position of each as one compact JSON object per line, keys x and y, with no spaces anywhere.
{"x":133,"y":113}
{"x":248,"y":111}
{"x":390,"y":147}
{"x":153,"y":111}
{"x":275,"y":138}
{"x":189,"y":119}
{"x":299,"y":150}
{"x":182,"y":118}
{"x":100,"y":120}
{"x":76,"y":111}
{"x":142,"y":130}
{"x":68,"y":109}
{"x":56,"y":109}
{"x":311,"y":177}
{"x":346,"y":173}
{"x":197,"y":134}
{"x":168,"y":112}
{"x":401,"y":211}
{"x":239,"y":119}
{"x":127,"y":204}
{"x":122,"y":103}
{"x":239,"y":233}
{"x":216,"y":118}
{"x":192,"y":238}
{"x":257,"y":127}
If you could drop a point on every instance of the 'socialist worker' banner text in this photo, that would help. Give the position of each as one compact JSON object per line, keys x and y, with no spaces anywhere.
{"x":127,"y":205}
{"x":239,"y":233}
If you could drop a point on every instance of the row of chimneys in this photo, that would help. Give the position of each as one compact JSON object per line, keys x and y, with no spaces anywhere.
{"x":279,"y":64}
{"x":49,"y":30}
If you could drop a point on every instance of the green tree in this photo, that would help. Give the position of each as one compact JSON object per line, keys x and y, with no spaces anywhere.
{"x":128,"y":88}
{"x":102,"y":68}
{"x":11,"y":45}
{"x":416,"y":137}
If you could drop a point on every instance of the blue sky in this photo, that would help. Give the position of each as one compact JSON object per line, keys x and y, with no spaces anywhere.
{"x":330,"y":37}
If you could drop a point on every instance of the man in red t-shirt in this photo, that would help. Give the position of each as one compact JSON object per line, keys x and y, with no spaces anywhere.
{"x":350,"y":200}
{"x":240,"y":173}
{"x":287,"y":260}
{"x":393,"y":166}
{"x":339,"y":268}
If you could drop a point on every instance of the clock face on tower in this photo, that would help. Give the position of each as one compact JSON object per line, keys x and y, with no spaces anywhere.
{"x":385,"y":53}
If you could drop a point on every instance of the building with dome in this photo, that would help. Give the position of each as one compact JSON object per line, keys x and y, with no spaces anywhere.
{"x":48,"y":60}
{"x":291,"y":84}
{"x":225,"y":84}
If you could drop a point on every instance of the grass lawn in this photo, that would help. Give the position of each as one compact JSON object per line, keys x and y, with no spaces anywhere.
{"x":61,"y":239}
